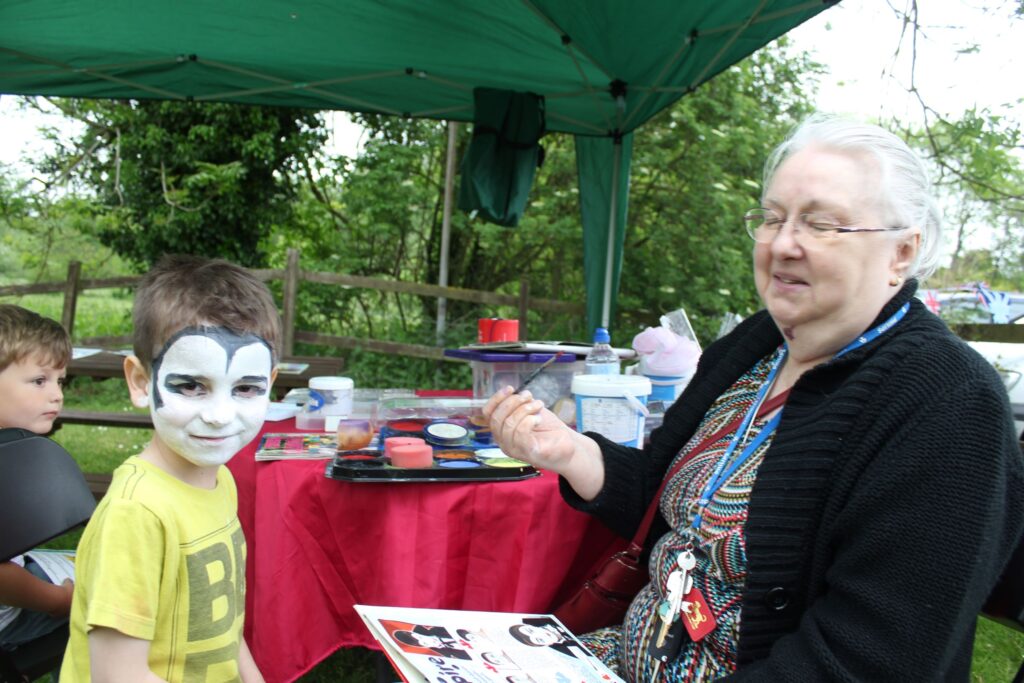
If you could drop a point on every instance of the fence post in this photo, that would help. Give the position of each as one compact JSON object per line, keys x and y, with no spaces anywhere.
{"x":524,"y":306}
{"x":291,"y":289}
{"x":67,"y":317}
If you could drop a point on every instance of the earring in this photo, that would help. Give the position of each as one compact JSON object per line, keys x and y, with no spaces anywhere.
{"x":896,"y":280}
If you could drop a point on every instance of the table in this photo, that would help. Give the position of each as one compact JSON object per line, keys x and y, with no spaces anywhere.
{"x":317,"y":546}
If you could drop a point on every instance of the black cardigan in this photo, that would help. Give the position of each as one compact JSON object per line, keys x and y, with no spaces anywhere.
{"x":882,"y":513}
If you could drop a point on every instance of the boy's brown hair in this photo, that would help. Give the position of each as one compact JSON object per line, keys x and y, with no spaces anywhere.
{"x":24,"y":333}
{"x":182,"y":291}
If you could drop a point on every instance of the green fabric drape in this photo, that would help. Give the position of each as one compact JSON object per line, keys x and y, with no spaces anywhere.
{"x":498,"y":168}
{"x":596,"y":166}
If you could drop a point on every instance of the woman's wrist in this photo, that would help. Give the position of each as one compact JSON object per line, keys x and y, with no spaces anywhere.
{"x":584,"y":470}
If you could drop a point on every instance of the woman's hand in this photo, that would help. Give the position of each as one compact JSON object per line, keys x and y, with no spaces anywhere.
{"x":524,"y":429}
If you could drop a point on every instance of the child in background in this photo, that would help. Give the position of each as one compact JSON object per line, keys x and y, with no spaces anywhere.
{"x":161,"y":566}
{"x":34,"y":355}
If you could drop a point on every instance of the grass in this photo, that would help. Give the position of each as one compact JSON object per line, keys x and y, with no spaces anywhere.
{"x":99,"y":313}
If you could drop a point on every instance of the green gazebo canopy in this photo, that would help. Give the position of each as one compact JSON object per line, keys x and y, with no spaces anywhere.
{"x":604,"y":67}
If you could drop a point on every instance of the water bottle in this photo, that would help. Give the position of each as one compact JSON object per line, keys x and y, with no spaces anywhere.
{"x":602,"y":360}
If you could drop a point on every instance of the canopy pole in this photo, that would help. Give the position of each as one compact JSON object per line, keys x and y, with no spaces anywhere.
{"x":446,"y":230}
{"x":609,"y":265}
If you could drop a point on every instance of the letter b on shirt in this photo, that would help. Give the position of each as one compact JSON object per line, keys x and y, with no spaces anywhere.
{"x":216,"y":588}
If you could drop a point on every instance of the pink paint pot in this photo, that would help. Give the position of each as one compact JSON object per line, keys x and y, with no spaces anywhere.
{"x":391,"y":442}
{"x":412,"y":456}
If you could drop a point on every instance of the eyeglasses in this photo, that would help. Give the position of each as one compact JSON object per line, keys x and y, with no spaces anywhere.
{"x":764,"y":224}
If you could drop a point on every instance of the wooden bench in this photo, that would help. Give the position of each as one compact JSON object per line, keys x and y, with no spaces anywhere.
{"x":105,"y":418}
{"x":98,"y":483}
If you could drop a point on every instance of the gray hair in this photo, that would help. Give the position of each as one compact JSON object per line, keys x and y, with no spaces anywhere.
{"x":906,"y":192}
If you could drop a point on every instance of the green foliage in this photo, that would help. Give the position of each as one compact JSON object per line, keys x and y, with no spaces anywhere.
{"x":1000,"y":270}
{"x":40,"y":235}
{"x":981,"y":179}
{"x":182,"y":177}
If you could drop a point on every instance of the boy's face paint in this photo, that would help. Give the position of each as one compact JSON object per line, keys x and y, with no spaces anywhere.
{"x":211,"y":389}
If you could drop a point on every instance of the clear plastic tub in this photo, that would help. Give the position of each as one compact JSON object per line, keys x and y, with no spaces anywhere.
{"x":492,"y":371}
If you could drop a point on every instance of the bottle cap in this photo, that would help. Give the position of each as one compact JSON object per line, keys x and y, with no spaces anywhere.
{"x":601,"y":336}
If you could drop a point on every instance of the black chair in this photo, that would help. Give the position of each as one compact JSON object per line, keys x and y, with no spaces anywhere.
{"x":1006,"y":602}
{"x":42,"y":495}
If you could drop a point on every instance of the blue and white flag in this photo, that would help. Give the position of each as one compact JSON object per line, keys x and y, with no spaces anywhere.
{"x":997,"y":303}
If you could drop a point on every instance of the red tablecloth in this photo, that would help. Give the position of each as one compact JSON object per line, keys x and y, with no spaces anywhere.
{"x":317,"y":546}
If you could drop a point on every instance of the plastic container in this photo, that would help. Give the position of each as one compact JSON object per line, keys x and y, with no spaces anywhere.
{"x":612,"y":405}
{"x":602,"y":359}
{"x":493,"y":370}
{"x":308,"y":420}
{"x":330,"y":395}
{"x":430,"y":409}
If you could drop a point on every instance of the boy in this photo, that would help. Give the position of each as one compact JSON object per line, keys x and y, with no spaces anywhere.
{"x":161,"y":566}
{"x":34,"y":354}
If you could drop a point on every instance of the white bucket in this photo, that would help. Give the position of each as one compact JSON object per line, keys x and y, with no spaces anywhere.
{"x":330,"y":395}
{"x":614,"y":406}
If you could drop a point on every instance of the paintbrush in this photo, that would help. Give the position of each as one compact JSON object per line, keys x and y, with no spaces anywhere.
{"x":533,"y":375}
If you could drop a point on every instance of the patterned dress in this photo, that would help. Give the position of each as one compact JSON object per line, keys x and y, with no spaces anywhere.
{"x":720,"y":551}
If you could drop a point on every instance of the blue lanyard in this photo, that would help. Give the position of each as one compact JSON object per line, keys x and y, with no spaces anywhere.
{"x":725,"y":469}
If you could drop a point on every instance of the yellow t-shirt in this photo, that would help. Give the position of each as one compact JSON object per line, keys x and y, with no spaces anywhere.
{"x":163,"y":561}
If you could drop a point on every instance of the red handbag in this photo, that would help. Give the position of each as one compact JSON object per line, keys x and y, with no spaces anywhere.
{"x":603,"y":599}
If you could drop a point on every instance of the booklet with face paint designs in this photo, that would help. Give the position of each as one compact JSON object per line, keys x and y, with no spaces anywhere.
{"x":297,"y":446}
{"x":440,"y":646}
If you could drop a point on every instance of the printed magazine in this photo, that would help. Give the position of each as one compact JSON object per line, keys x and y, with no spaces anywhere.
{"x":441,"y":646}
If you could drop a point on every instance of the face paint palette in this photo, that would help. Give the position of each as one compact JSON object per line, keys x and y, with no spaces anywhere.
{"x":448,"y":464}
{"x":369,"y":468}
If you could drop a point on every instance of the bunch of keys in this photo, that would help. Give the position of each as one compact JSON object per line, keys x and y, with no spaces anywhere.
{"x":685,"y":601}
{"x":679,"y":583}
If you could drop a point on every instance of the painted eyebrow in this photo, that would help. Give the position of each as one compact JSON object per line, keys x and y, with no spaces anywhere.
{"x":253,"y":378}
{"x":174,"y":376}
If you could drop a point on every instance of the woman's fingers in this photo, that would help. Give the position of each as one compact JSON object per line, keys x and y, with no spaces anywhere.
{"x":512,"y":420}
{"x":523,"y":435}
{"x":495,"y":400}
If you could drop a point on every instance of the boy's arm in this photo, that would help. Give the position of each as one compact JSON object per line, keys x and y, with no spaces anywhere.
{"x":20,"y":588}
{"x":247,"y":668}
{"x":115,"y":657}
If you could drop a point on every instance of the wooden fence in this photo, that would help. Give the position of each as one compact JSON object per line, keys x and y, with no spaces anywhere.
{"x":292,"y":276}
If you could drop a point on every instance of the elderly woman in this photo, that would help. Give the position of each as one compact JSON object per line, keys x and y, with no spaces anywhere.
{"x":854,"y":533}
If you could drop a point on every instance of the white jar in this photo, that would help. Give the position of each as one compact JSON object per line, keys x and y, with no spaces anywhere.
{"x":330,"y":395}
